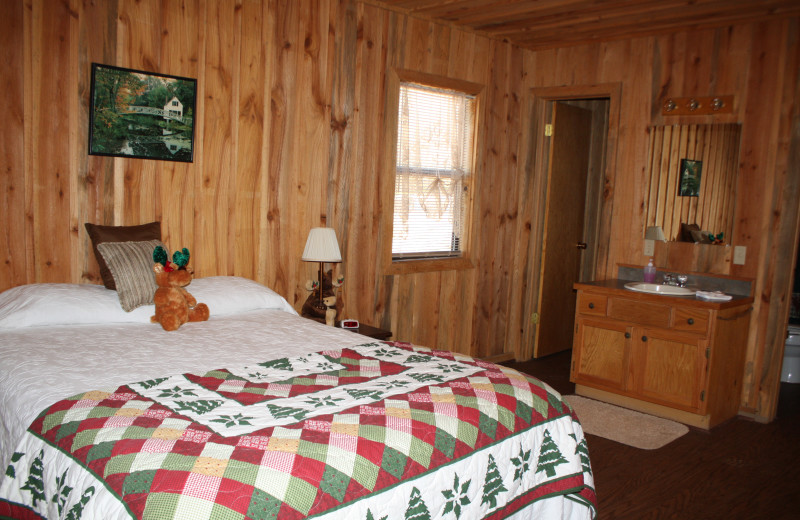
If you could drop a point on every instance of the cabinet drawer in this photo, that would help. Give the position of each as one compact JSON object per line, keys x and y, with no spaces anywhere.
{"x":593,"y":304}
{"x":690,"y":320}
{"x":639,"y":312}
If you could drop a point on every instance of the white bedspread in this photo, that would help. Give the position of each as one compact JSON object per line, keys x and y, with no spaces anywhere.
{"x":121,"y":353}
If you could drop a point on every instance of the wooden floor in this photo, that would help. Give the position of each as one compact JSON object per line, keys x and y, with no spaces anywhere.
{"x":739,"y":470}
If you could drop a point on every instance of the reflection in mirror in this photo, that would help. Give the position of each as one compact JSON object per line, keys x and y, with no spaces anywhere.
{"x":703,"y":195}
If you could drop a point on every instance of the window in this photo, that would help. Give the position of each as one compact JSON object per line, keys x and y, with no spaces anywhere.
{"x":433,"y":171}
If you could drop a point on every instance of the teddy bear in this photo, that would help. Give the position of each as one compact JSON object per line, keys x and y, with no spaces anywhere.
{"x":174,"y":304}
{"x":327,"y":308}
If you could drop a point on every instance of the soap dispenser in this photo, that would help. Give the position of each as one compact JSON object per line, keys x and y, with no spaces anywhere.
{"x":650,"y":272}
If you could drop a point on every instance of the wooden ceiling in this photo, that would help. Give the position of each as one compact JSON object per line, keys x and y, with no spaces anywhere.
{"x":541,"y":24}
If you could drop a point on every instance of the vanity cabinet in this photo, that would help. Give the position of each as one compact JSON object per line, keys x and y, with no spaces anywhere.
{"x":677,"y":357}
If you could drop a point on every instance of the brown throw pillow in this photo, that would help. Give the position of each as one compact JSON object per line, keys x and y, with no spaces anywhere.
{"x":100,"y":234}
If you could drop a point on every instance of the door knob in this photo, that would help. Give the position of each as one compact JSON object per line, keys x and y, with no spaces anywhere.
{"x":581,"y":245}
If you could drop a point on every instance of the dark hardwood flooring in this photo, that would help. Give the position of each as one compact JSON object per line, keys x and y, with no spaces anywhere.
{"x":740,"y":469}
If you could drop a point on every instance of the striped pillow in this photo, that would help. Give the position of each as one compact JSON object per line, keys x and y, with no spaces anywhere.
{"x":131,"y":265}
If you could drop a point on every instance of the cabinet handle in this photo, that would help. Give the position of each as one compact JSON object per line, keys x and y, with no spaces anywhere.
{"x":627,"y":335}
{"x":644,"y":338}
{"x":591,"y":305}
{"x":690,"y":321}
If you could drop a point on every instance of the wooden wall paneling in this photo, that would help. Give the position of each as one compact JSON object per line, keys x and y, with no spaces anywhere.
{"x":250,"y":143}
{"x":13,"y":186}
{"x":344,"y":147}
{"x":216,"y":196}
{"x":613,"y":89}
{"x":176,"y":181}
{"x":531,"y":189}
{"x":697,"y":61}
{"x":514,"y":101}
{"x":50,"y":149}
{"x":490,"y":213}
{"x":761,"y":223}
{"x":95,"y":200}
{"x":367,"y":161}
{"x":753,"y":223}
{"x":284,"y":221}
{"x":312,"y":106}
{"x":630,"y":188}
{"x":784,"y":247}
{"x":77,"y":184}
{"x":139,"y":41}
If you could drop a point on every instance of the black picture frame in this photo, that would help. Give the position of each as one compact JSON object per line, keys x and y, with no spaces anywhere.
{"x":690,"y":175}
{"x":144,"y":115}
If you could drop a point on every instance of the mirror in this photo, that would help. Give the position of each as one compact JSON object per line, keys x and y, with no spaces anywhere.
{"x":692,"y":177}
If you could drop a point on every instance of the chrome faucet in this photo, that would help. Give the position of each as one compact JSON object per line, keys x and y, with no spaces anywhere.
{"x":678,"y":280}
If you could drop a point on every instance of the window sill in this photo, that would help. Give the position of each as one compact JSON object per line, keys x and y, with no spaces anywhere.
{"x":428,"y":265}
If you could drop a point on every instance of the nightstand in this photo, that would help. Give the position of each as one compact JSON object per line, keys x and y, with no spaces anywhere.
{"x":372,"y":332}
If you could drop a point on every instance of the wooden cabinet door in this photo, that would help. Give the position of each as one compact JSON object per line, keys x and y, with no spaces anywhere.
{"x":600,"y":355}
{"x":669,"y":368}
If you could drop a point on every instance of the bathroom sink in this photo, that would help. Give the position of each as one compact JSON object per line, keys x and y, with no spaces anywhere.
{"x":655,"y":288}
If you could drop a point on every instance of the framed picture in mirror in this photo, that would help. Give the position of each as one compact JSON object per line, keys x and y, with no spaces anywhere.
{"x":691,"y":171}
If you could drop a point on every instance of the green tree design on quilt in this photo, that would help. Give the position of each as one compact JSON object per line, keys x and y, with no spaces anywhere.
{"x":492,"y":485}
{"x":549,"y":456}
{"x":199,"y":407}
{"x":280,"y":412}
{"x":150,"y":383}
{"x":233,"y":420}
{"x":417,"y":510}
{"x":10,"y":471}
{"x":76,"y":512}
{"x":456,"y":497}
{"x":357,"y":393}
{"x":278,"y":364}
{"x":35,"y":482}
{"x":62,"y":492}
{"x":582,"y":450}
{"x":176,"y":392}
{"x":370,"y":516}
{"x":522,"y":463}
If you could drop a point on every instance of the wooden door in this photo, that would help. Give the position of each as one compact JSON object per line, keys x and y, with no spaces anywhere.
{"x":669,"y":368}
{"x":563,"y":227}
{"x":600,"y":357}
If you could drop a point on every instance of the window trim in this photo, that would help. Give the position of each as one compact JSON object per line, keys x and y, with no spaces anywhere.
{"x":388,"y":168}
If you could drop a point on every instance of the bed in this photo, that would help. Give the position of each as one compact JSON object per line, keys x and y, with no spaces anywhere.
{"x":259,"y":413}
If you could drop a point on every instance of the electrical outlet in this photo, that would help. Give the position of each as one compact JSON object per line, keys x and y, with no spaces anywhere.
{"x":739,"y":253}
{"x":649,"y":247}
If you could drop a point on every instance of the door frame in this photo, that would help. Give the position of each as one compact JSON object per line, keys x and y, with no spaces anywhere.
{"x":532,"y":193}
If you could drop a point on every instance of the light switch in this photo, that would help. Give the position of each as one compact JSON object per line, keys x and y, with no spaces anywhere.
{"x":739,"y":253}
{"x":649,"y":247}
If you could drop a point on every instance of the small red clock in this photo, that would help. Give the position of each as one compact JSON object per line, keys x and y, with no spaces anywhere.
{"x":349,"y":324}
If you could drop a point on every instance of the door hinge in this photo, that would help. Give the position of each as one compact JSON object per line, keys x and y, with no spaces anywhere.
{"x":708,"y":352}
{"x":548,"y":130}
{"x":534,"y":318}
{"x":702,"y":395}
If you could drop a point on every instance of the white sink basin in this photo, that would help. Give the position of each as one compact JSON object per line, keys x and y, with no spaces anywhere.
{"x":654,"y":288}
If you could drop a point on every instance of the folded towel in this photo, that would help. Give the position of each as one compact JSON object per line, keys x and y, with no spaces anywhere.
{"x":717,"y":296}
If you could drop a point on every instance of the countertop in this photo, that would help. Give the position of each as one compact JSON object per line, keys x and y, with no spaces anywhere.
{"x":617,"y":287}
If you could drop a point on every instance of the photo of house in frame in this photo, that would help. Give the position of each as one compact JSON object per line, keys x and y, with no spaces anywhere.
{"x":690,"y":178}
{"x":141,"y":114}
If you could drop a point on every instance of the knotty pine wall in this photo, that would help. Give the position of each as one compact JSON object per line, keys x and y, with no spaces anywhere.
{"x":289,"y":122}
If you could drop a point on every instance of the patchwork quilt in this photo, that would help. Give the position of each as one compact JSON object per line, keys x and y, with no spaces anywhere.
{"x":378,"y":431}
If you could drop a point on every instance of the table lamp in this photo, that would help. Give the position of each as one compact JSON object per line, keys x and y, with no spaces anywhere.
{"x":321,"y":246}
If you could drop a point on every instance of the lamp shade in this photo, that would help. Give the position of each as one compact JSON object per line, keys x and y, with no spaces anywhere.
{"x":321,"y":246}
{"x":654,"y":233}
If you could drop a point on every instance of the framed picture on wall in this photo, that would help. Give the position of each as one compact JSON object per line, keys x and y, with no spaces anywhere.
{"x":690,"y":178}
{"x":141,"y":114}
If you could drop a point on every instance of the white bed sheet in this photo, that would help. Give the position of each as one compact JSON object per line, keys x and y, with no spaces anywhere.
{"x":41,"y":365}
